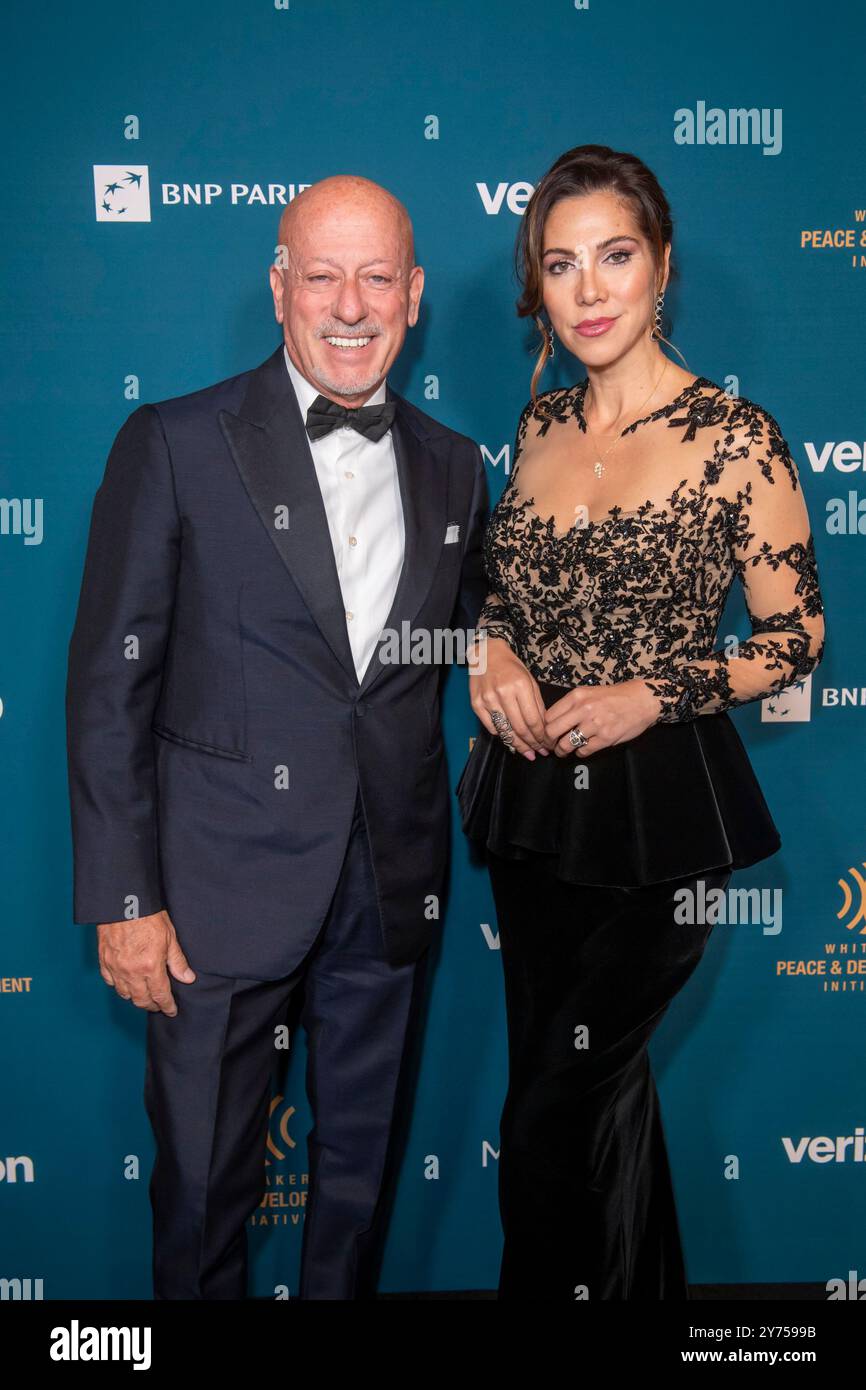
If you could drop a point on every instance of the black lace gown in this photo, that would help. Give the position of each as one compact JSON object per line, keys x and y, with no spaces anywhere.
{"x":640,"y":593}
{"x":586,"y":876}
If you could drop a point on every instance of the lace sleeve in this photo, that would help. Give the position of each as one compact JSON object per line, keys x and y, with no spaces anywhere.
{"x":494,"y":616}
{"x":773,"y":553}
{"x":495,"y":621}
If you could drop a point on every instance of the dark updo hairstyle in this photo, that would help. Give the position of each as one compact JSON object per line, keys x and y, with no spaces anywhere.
{"x":587,"y":169}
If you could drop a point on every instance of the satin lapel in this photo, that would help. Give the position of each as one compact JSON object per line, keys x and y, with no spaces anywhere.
{"x":271,"y":450}
{"x":424,"y":493}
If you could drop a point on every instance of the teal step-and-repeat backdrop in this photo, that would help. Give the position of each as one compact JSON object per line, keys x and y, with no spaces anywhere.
{"x":751,"y":114}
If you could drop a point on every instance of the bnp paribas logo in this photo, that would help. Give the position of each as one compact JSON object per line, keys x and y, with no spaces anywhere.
{"x":122,"y":193}
{"x":792,"y":705}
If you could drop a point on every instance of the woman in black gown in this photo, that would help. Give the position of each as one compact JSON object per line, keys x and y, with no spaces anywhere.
{"x":608,"y":785}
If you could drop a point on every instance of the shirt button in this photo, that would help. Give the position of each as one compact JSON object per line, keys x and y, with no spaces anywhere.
{"x":349,"y":615}
{"x":348,"y":475}
{"x":353,"y":540}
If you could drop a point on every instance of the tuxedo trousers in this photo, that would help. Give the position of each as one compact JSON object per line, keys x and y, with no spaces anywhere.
{"x":585,"y":1191}
{"x":208,"y":1087}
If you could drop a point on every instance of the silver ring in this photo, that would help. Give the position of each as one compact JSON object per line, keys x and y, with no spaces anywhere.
{"x":576,"y":738}
{"x":502,"y":726}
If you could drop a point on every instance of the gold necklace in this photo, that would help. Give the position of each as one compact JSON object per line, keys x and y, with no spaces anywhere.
{"x":598,"y":467}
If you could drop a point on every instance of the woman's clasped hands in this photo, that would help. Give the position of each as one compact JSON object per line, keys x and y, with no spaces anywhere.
{"x":507,"y":700}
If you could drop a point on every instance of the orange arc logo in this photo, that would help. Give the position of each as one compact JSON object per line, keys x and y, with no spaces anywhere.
{"x":283,"y":1128}
{"x":848,"y":900}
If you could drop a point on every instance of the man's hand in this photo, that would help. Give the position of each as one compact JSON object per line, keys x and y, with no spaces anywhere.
{"x":506,"y":685}
{"x":135,"y":957}
{"x":607,"y":714}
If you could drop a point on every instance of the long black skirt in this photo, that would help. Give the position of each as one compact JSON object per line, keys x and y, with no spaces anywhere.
{"x":585,"y":1193}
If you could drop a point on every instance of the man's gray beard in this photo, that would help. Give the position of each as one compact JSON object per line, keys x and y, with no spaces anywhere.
{"x":355,"y":387}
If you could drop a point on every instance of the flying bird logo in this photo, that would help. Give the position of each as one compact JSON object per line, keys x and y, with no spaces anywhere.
{"x":122,"y":194}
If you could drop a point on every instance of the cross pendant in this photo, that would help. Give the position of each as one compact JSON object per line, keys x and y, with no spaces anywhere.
{"x":599,"y":469}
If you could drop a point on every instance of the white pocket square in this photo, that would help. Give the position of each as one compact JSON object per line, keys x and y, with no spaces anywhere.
{"x":452,"y":534}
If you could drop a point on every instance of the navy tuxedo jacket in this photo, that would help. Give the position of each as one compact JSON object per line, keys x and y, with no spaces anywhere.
{"x":217,"y":732}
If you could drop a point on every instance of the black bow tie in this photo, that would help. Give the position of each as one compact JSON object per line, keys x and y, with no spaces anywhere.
{"x":372,"y":421}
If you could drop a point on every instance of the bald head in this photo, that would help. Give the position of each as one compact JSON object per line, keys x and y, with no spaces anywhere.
{"x":349,"y":197}
{"x":345,"y":284}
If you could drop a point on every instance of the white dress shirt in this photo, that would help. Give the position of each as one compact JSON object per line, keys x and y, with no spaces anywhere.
{"x":361,"y":492}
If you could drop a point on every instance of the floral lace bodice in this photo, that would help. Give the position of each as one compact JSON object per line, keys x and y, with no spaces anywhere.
{"x":640,"y":593}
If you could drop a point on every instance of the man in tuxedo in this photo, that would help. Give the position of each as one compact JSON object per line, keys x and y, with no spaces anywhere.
{"x":259,"y":800}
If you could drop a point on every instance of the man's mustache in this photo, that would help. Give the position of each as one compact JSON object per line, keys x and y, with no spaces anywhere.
{"x":332,"y":330}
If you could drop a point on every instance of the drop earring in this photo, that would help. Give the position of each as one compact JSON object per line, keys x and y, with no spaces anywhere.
{"x":656,"y":331}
